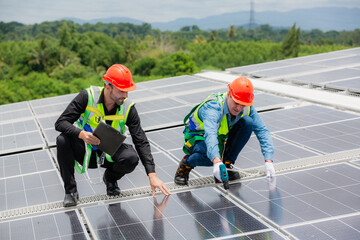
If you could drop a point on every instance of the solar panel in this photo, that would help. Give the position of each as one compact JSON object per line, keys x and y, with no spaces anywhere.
{"x":16,"y":115}
{"x":197,"y":214}
{"x":329,"y":76}
{"x":304,"y":116}
{"x":30,"y":189}
{"x":287,"y":70}
{"x":64,"y":225}
{"x":303,"y":196}
{"x":21,"y":142}
{"x":25,"y":163}
{"x":328,"y":138}
{"x":14,"y":107}
{"x":350,"y":84}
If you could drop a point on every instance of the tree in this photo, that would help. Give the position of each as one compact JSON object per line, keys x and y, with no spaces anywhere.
{"x":213,"y":35}
{"x":175,"y":64}
{"x":231,"y":32}
{"x":144,"y":66}
{"x":291,"y":43}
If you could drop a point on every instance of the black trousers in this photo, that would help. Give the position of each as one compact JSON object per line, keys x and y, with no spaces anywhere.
{"x":69,"y":149}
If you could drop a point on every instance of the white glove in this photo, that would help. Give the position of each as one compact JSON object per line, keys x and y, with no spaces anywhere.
{"x":270,"y":170}
{"x":216,"y":171}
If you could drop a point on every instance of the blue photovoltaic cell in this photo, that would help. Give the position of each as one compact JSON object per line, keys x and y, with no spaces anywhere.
{"x":163,"y":118}
{"x":168,"y":81}
{"x":343,"y":61}
{"x":287,"y":70}
{"x":25,"y":163}
{"x":343,"y":228}
{"x":64,"y":225}
{"x":52,"y":101}
{"x":157,"y":104}
{"x":329,"y":76}
{"x":328,"y":138}
{"x":31,"y":189}
{"x":353,"y":84}
{"x":301,"y":117}
{"x":197,"y":214}
{"x":16,"y":115}
{"x":257,"y":67}
{"x":21,"y":142}
{"x":303,"y":196}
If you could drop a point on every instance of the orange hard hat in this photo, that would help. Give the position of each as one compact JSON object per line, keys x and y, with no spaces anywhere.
{"x":242,"y":91}
{"x":120,"y":76}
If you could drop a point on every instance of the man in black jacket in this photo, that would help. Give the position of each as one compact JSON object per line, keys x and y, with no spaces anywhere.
{"x":76,"y":142}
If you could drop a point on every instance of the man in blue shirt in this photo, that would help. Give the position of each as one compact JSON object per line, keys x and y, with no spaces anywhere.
{"x":217,"y":129}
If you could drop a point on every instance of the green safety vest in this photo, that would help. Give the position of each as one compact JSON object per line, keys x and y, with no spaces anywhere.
{"x":94,"y":113}
{"x":190,"y":137}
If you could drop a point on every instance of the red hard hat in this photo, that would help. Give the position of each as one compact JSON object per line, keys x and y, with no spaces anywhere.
{"x":120,"y":77}
{"x":242,"y":91}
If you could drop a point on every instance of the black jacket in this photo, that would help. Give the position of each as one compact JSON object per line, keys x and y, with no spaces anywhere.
{"x":78,"y":105}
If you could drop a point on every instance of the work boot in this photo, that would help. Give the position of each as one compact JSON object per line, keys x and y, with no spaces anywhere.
{"x":182,"y":173}
{"x":71,"y":199}
{"x":233,"y":175}
{"x":112,"y":188}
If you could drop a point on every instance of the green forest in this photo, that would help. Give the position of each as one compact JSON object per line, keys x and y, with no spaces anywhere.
{"x":62,"y":57}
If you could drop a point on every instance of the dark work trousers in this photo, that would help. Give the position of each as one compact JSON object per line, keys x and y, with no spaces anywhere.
{"x":69,"y":149}
{"x":238,"y":136}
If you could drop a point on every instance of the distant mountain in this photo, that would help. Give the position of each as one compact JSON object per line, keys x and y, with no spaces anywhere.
{"x":107,"y":20}
{"x":325,"y":19}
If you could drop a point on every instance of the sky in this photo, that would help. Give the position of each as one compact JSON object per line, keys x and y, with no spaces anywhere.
{"x":37,"y":11}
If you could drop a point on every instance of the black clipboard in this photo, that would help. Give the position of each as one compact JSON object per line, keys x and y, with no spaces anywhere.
{"x":110,"y":138}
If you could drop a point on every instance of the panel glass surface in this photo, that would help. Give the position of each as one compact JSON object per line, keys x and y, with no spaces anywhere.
{"x":30,"y":189}
{"x":197,"y":214}
{"x":329,"y":76}
{"x":18,"y":127}
{"x":298,"y":117}
{"x":258,"y":67}
{"x":54,"y":109}
{"x":25,"y":163}
{"x":163,"y":118}
{"x":52,"y":100}
{"x":298,"y":197}
{"x":21,"y":142}
{"x":14,"y":107}
{"x":16,"y":115}
{"x":157,"y":104}
{"x":346,"y":84}
{"x":343,"y":228}
{"x":345,"y":61}
{"x":327,"y":138}
{"x":287,"y":70}
{"x":64,"y":225}
{"x":168,"y":81}
{"x":188,"y":86}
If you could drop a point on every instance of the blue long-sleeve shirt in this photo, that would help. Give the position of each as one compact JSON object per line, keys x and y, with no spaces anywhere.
{"x":211,"y":115}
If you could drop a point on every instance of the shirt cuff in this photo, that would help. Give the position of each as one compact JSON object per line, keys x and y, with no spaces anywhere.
{"x":268,"y":156}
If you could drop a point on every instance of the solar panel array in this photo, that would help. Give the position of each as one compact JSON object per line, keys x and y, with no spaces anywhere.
{"x":335,"y":70}
{"x":306,"y":201}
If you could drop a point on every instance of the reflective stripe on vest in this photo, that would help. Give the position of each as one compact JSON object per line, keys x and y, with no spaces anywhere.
{"x":93,"y":114}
